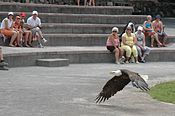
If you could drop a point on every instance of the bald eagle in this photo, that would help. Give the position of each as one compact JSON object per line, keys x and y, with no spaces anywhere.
{"x":119,"y":81}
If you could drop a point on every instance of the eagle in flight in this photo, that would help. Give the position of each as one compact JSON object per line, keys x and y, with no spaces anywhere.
{"x":119,"y":81}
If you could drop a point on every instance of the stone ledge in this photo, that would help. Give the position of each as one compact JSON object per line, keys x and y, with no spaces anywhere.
{"x":78,"y":55}
{"x":57,"y":62}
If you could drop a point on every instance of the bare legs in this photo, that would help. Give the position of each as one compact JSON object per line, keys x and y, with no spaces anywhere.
{"x":28,"y":38}
{"x":78,"y":2}
{"x":155,"y":37}
{"x":15,"y":34}
{"x":118,"y":54}
{"x":91,"y":2}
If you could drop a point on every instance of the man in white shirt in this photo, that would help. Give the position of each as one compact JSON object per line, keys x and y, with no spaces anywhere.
{"x":34,"y":24}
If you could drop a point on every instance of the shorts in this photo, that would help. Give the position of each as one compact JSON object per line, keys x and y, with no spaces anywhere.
{"x":7,"y":33}
{"x":110,"y":48}
{"x":35,"y":30}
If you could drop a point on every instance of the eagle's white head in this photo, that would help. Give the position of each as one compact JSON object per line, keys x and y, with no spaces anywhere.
{"x":118,"y":73}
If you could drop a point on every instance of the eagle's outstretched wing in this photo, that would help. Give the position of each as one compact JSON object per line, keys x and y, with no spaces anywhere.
{"x":136,"y":79}
{"x":139,"y":82}
{"x":114,"y":85}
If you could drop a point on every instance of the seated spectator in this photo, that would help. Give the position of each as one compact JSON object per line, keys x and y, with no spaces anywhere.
{"x":113,"y":44}
{"x":159,"y":29}
{"x":142,"y":50}
{"x":34,"y":24}
{"x":128,"y":44}
{"x":17,"y":28}
{"x":7,"y":28}
{"x":26,"y":33}
{"x":3,"y":64}
{"x":148,"y":28}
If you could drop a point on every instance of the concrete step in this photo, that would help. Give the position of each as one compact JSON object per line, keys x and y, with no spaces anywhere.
{"x":74,"y":28}
{"x":48,"y":8}
{"x":85,"y":18}
{"x":84,"y":39}
{"x":56,"y":62}
{"x":76,"y":39}
{"x":81,"y":40}
{"x":20,"y":57}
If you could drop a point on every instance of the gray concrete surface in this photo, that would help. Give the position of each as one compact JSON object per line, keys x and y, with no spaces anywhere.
{"x":70,"y":91}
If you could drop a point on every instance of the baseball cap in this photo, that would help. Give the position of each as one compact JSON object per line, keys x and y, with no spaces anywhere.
{"x":114,"y":29}
{"x":23,"y":14}
{"x":35,"y":12}
{"x":10,"y":13}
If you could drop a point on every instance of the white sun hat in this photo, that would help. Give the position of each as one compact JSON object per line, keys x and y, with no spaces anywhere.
{"x":114,"y":29}
{"x":140,"y":28}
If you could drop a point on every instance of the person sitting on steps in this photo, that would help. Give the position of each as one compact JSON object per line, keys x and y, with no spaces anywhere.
{"x":27,"y":34}
{"x":159,"y":29}
{"x":113,"y":45}
{"x":34,"y":24}
{"x":7,"y":29}
{"x":148,"y":28}
{"x":128,"y":44}
{"x":142,"y":49}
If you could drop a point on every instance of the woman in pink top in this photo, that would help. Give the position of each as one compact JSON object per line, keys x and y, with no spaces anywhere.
{"x":113,"y":44}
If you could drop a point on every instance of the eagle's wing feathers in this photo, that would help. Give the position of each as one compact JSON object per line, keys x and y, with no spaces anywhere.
{"x":114,"y":85}
{"x":139,"y":82}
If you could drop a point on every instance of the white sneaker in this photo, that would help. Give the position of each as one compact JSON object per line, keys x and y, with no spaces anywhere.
{"x":127,"y":62}
{"x":3,"y":63}
{"x":137,"y":62}
{"x":117,"y":62}
{"x":121,"y":60}
{"x":44,"y":40}
{"x":40,"y":46}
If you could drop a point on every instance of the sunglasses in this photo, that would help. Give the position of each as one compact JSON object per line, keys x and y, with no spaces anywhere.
{"x":114,"y":31}
{"x":129,"y":29}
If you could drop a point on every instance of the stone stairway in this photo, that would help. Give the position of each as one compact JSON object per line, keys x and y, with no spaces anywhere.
{"x":70,"y":26}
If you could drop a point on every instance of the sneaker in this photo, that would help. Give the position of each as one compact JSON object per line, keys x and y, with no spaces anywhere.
{"x":121,"y":60}
{"x":25,"y":45}
{"x":4,"y":63}
{"x":137,"y":62}
{"x":4,"y":68}
{"x":117,"y":62}
{"x":127,"y":62}
{"x":143,"y":61}
{"x":40,"y":46}
{"x":11,"y":45}
{"x":44,"y":40}
{"x":30,"y":45}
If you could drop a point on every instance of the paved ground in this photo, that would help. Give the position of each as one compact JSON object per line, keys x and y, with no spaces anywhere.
{"x":70,"y":91}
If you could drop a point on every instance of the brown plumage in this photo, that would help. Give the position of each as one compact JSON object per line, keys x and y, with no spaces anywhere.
{"x":117,"y":83}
